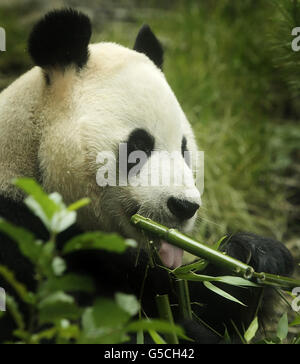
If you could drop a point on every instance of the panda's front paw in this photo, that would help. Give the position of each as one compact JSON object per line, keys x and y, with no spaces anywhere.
{"x":263,"y":254}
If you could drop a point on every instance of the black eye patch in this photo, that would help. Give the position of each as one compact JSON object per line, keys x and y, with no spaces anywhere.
{"x":140,"y":140}
{"x":184,"y":146}
{"x":184,"y":149}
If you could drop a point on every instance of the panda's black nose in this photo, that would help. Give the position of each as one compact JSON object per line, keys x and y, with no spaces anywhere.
{"x":182,"y":209}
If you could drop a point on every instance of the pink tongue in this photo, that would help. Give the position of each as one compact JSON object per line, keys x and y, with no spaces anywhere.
{"x":170,"y":255}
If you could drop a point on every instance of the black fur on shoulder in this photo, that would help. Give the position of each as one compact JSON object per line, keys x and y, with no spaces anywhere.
{"x":60,"y":39}
{"x":147,"y":43}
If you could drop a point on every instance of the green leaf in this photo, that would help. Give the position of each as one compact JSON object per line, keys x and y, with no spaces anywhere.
{"x":49,"y":209}
{"x":252,"y":330}
{"x":62,"y":220}
{"x":155,"y":325}
{"x":156,"y":338}
{"x":140,"y":340}
{"x":222,"y":293}
{"x":296,"y":322}
{"x":27,"y":244}
{"x":236,"y":281}
{"x":70,"y":332}
{"x":227,"y":338}
{"x":233,"y":281}
{"x":45,"y":260}
{"x":44,"y":335}
{"x":20,"y":289}
{"x":68,"y":283}
{"x":59,"y":266}
{"x":95,"y":241}
{"x":218,"y":244}
{"x":283,"y":327}
{"x":104,"y":323}
{"x":196,"y":266}
{"x":57,"y":307}
{"x":107,"y":313}
{"x":79,"y":204}
{"x":103,"y":336}
{"x":15,"y":312}
{"x":55,"y":298}
{"x":128,"y":303}
{"x":43,"y":207}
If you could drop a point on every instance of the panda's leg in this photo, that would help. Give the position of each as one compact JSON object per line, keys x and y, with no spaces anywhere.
{"x":263,"y":254}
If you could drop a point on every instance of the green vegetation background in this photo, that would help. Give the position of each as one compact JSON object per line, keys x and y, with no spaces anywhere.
{"x":231,"y":65}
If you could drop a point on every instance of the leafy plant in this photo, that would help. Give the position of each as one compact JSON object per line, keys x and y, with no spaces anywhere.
{"x":53,"y":312}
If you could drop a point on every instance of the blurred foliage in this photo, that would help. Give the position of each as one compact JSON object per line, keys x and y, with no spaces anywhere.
{"x":231,"y":65}
{"x":51,"y":314}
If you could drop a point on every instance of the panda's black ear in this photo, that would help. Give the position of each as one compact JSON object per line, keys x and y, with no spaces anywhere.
{"x":147,"y":43}
{"x":61,"y":39}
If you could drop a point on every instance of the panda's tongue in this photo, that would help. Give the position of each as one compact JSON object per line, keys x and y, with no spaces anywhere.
{"x":170,"y":256}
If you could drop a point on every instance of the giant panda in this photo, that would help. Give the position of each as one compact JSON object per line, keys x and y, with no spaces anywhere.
{"x":82,"y":99}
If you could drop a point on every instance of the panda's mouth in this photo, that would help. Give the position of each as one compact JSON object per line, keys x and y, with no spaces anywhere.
{"x":170,"y":255}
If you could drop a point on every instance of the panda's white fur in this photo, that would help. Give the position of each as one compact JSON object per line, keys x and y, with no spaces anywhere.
{"x":61,"y":128}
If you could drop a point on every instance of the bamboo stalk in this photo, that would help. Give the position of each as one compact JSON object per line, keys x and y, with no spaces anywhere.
{"x":182,"y":241}
{"x":184,"y":300}
{"x":273,"y":280}
{"x":217,"y":258}
{"x":165,"y":313}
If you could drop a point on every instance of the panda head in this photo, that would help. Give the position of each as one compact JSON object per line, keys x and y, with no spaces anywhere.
{"x":96,"y":98}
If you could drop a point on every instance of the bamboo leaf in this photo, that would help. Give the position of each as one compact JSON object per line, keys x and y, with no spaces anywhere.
{"x":218,"y":244}
{"x":222,"y":293}
{"x":79,"y":204}
{"x":199,"y":265}
{"x":233,"y":281}
{"x":140,"y":340}
{"x":283,"y":327}
{"x":252,"y":330}
{"x":156,"y":338}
